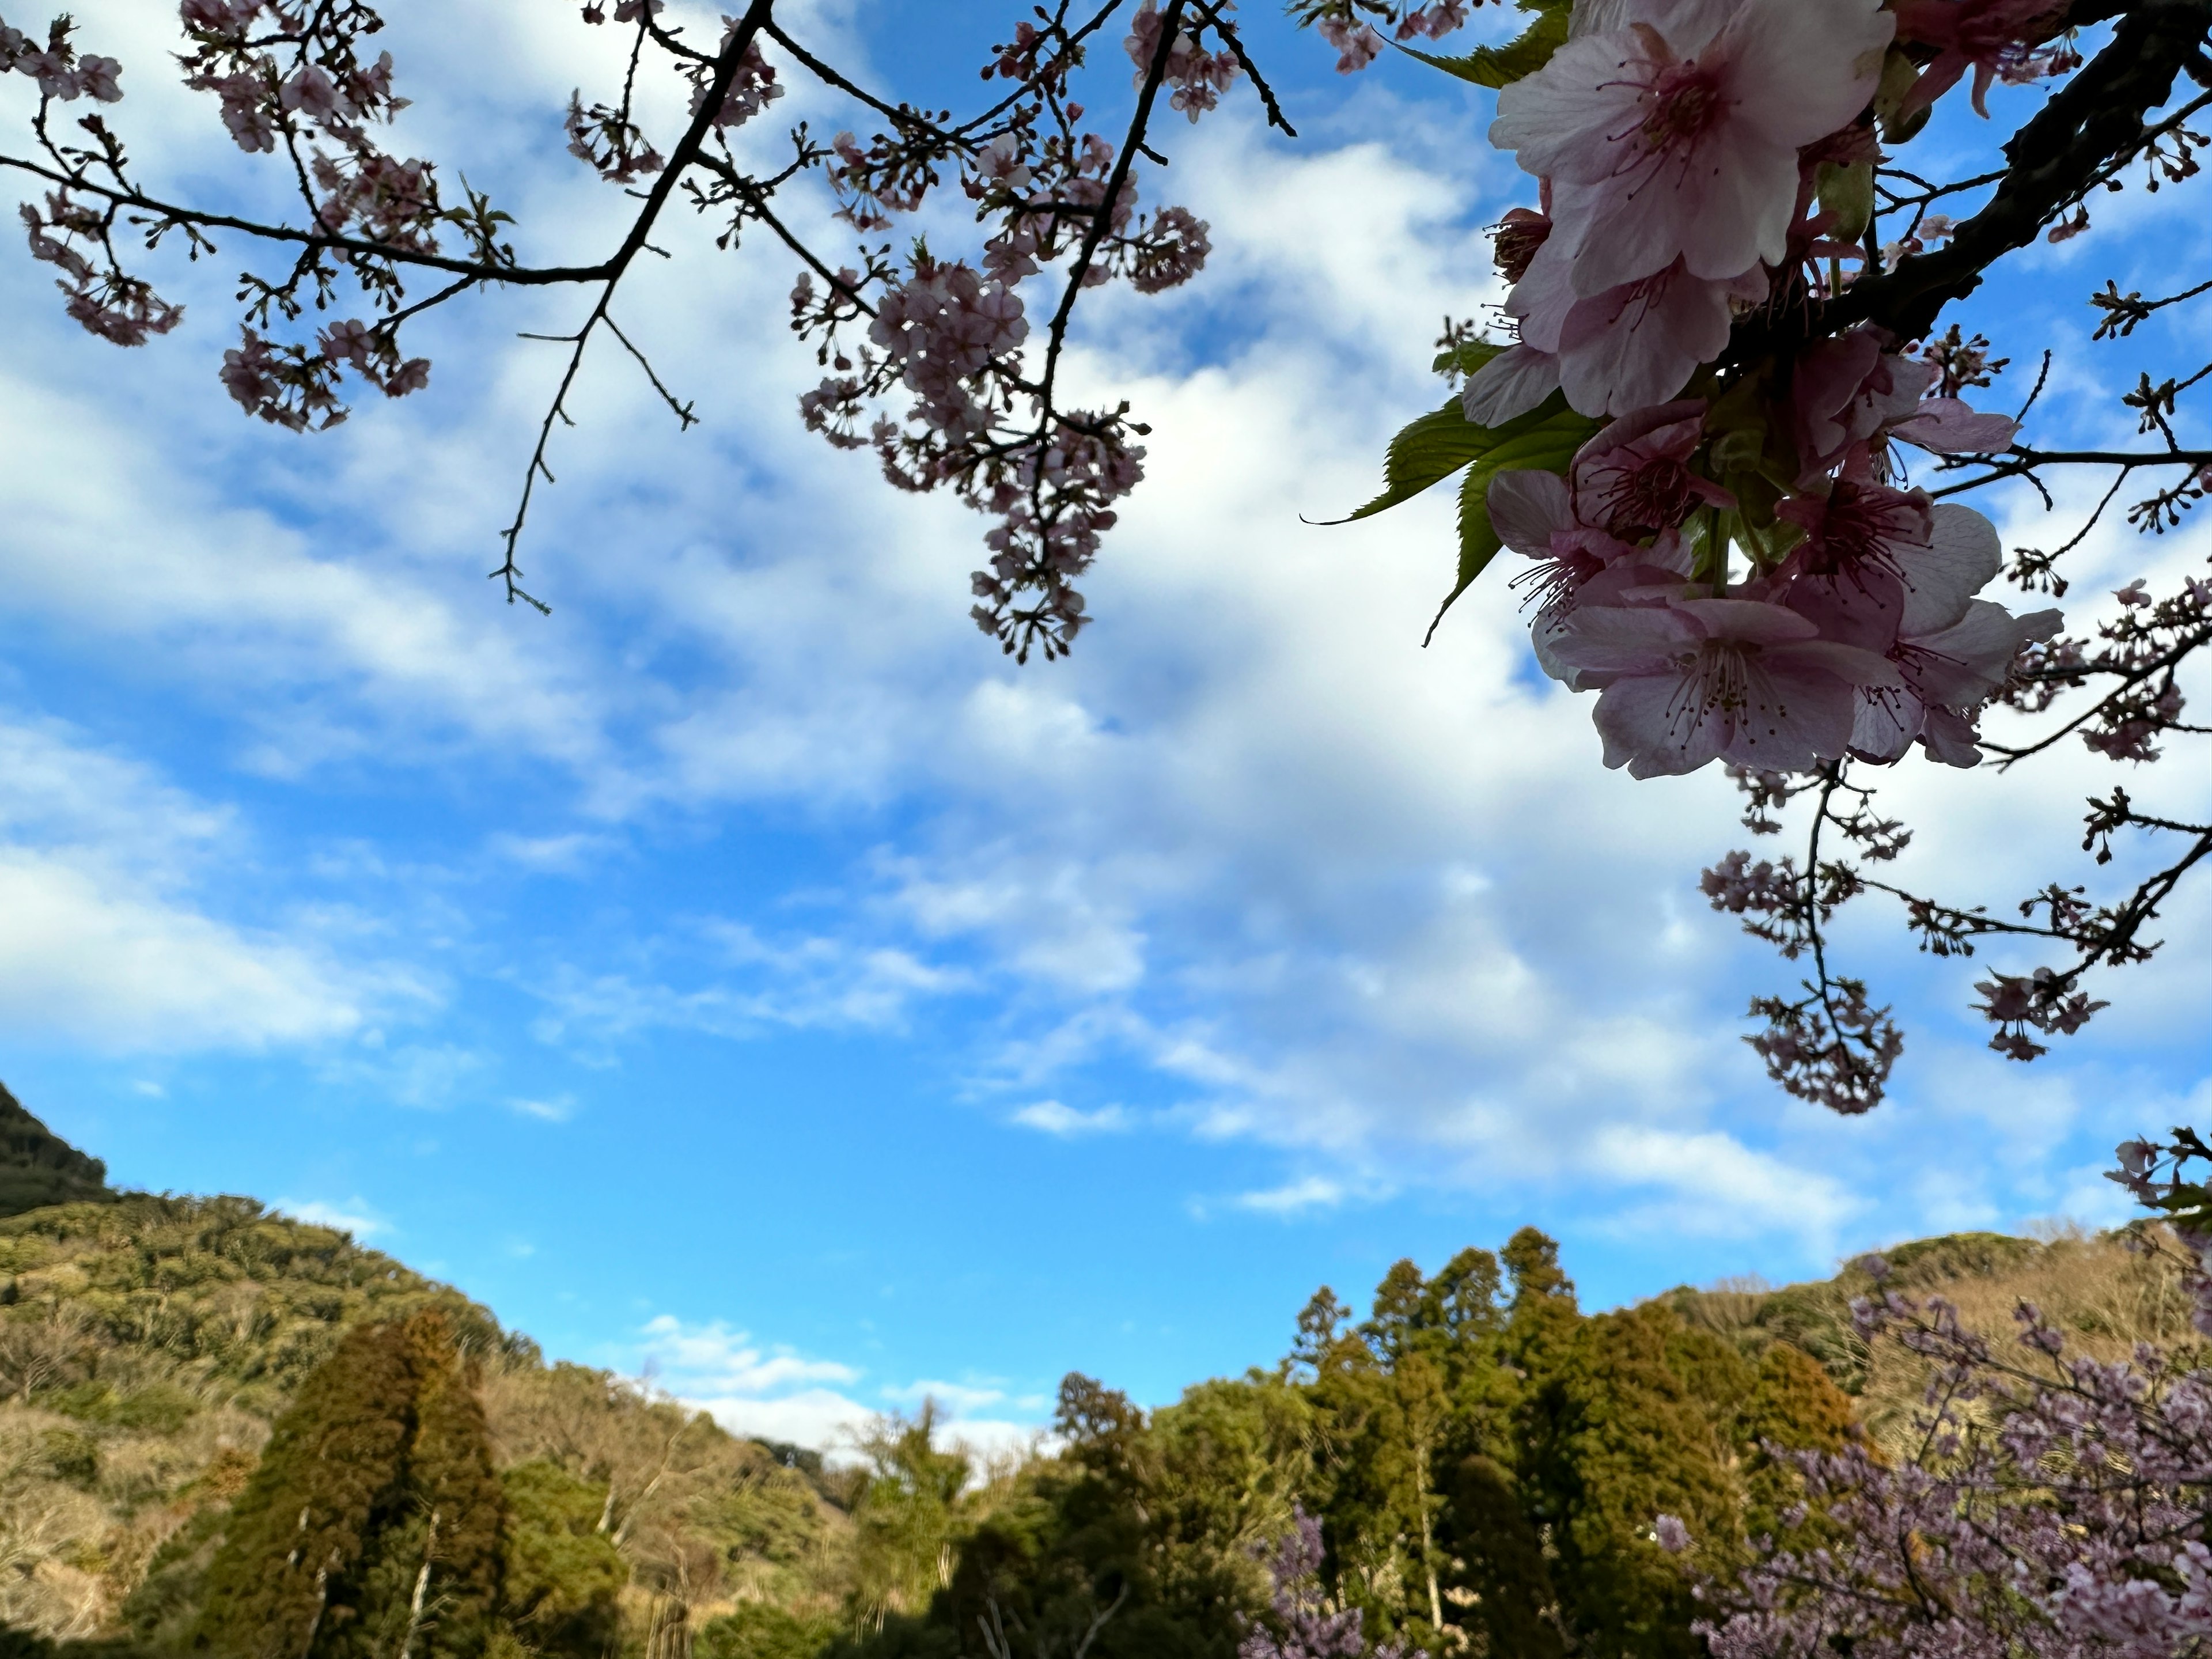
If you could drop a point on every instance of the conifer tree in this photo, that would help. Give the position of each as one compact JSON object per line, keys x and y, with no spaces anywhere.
{"x":1795,"y":1407}
{"x":1616,"y":1437}
{"x":371,"y":1526}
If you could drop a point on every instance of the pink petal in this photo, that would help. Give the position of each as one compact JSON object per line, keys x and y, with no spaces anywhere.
{"x":1951,"y":738}
{"x":1525,"y":506}
{"x":1755,"y":621}
{"x":1730,"y":213}
{"x":1542,"y":298}
{"x":1963,"y":557}
{"x":1512,"y":383}
{"x":1639,"y":345}
{"x":1962,"y":665}
{"x":1949,"y":427}
{"x":1804,"y":69}
{"x":1886,"y":723}
{"x":1556,"y":120}
{"x":1616,"y":640}
{"x":1851,"y":665}
{"x":1647,"y":727}
{"x":1792,"y":716}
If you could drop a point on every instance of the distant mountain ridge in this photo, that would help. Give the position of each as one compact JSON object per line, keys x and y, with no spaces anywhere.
{"x":39,"y":1168}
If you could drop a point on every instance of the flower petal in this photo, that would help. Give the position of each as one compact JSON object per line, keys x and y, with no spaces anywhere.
{"x":1526,"y":506}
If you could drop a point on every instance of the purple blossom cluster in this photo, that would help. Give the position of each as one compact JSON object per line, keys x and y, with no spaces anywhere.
{"x":1304,"y":1627}
{"x":2052,"y":1505}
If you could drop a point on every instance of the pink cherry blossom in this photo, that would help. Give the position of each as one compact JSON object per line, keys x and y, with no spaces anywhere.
{"x":1675,"y":136}
{"x":1432,"y":21}
{"x":1693,"y":680}
{"x":1948,"y":673}
{"x":1533,"y":514}
{"x":1623,"y":351}
{"x":1633,"y":478}
{"x":1863,"y":534}
{"x":1845,"y":391}
{"x":1357,"y":45}
{"x":97,"y":76}
{"x":1987,"y":36}
{"x":1856,"y":390}
{"x":1948,"y":427}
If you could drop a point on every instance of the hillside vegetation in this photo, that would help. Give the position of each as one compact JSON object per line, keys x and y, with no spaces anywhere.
{"x":226,"y":1432}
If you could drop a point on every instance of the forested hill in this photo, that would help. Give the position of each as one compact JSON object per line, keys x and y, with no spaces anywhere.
{"x":224,"y":1431}
{"x":37,"y":1167}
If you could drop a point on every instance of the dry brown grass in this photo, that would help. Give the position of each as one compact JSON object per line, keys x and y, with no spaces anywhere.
{"x":2105,"y":1292}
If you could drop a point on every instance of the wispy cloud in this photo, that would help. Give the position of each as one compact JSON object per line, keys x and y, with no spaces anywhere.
{"x":1053,"y":1118}
{"x":1295,"y":1197}
{"x":557,"y":1108}
{"x":353,"y":1215}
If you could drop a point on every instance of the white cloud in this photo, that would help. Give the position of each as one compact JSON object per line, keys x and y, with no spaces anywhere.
{"x":775,"y":1393}
{"x":959,"y":1399}
{"x":716,"y":1359}
{"x":119,"y":970}
{"x":1307,"y":1192}
{"x":353,"y":1215}
{"x":559,"y":1109}
{"x":1068,"y":1121}
{"x":1375,"y":908}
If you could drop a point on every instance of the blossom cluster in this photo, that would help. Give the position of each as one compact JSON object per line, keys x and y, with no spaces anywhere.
{"x":2056,"y":1507}
{"x":1350,"y":25}
{"x":61,"y":71}
{"x":1732,"y":561}
{"x":1855,"y":629}
{"x":1304,"y":1627}
{"x":952,"y":339}
{"x":1198,"y":76}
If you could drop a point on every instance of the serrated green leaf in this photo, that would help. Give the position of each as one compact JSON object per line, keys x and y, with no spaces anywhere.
{"x":1547,"y":442}
{"x":1434,"y":447}
{"x":1501,"y":66}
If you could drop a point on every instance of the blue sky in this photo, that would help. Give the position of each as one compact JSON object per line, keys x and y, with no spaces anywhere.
{"x":747,"y":972}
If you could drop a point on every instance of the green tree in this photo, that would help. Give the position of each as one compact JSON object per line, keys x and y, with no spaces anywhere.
{"x":371,"y":1527}
{"x":562,"y":1575}
{"x":758,"y":1630}
{"x":1499,"y":1579}
{"x":1616,"y":1435}
{"x":910,"y":1516}
{"x":1795,"y":1407}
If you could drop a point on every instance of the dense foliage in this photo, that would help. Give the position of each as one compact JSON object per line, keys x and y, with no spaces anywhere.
{"x":37,"y":1167}
{"x":223,"y":1431}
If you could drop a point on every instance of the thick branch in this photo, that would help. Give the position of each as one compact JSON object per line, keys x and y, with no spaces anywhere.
{"x":2057,"y":155}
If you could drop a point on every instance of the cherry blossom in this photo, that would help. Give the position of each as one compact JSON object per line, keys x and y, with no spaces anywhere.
{"x":1634,"y":476}
{"x":1309,"y":1629}
{"x":2047,"y":1506}
{"x":1198,"y":76}
{"x":1674,"y":135}
{"x":1611,"y":354}
{"x":1990,"y":37}
{"x":1693,"y":680}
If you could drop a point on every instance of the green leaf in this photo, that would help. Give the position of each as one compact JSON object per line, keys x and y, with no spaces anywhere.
{"x":1547,"y":439}
{"x":1437,"y":445}
{"x":1501,"y":66}
{"x":1464,"y":358}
